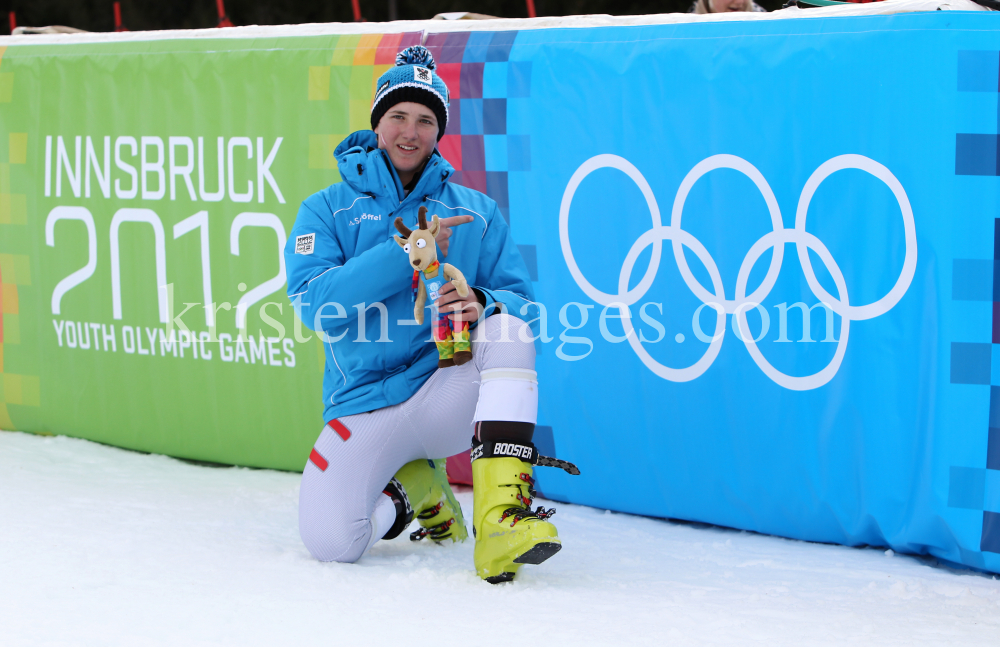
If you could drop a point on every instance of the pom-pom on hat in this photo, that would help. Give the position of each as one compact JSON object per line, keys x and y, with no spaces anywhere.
{"x":412,"y":79}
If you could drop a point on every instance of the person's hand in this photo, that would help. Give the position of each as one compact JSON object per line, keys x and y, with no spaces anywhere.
{"x":445,"y":232}
{"x":458,"y":308}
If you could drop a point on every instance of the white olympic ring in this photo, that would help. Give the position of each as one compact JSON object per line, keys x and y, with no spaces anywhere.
{"x":776,"y":240}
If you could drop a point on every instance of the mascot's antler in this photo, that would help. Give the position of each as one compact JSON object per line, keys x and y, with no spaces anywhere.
{"x":402,"y":228}
{"x":422,"y":217}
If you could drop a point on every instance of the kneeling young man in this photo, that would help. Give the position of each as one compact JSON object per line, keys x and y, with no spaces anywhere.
{"x":393,"y":414}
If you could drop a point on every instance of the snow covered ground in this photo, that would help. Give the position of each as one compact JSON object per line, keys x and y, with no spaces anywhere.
{"x":101,"y":546}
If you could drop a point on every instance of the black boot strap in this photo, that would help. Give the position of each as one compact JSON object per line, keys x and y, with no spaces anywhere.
{"x":519,"y":450}
{"x":548,"y":461}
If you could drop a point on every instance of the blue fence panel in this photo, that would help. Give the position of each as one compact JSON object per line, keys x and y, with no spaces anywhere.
{"x":801,"y":219}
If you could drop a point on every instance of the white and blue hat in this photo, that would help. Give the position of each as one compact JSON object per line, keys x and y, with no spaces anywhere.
{"x":412,"y":79}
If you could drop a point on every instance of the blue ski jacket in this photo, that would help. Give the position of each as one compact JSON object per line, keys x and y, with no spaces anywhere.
{"x":350,"y":281}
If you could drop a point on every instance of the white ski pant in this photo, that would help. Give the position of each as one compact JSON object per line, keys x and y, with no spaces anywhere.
{"x":342,"y":510}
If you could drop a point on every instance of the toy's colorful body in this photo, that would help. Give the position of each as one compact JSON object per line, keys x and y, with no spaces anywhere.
{"x":451,"y":337}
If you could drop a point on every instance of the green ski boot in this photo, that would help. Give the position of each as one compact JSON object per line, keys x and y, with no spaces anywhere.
{"x":508,"y":533}
{"x":435,"y":506}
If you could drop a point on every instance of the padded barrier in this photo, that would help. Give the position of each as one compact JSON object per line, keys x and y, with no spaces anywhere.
{"x":836,"y":171}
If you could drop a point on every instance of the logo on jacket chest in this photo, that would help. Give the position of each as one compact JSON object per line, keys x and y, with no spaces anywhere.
{"x":364,"y":216}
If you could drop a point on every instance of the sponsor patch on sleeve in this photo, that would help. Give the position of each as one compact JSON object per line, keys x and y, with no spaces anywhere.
{"x":304,"y":244}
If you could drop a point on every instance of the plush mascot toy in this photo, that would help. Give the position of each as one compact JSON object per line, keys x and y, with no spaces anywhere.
{"x":451,"y":337}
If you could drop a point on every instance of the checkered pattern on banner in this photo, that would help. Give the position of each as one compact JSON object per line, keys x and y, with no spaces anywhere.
{"x":978,"y":153}
{"x":485,"y":141}
{"x":479,"y":142}
{"x":16,"y":389}
{"x":347,"y":88}
{"x":977,"y":488}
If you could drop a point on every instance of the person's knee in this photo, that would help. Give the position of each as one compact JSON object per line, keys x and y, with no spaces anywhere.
{"x":504,"y":342}
{"x":333,"y":541}
{"x":504,"y":327}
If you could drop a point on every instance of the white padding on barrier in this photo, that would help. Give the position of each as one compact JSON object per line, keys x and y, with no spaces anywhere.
{"x":427,"y":27}
{"x":508,"y":394}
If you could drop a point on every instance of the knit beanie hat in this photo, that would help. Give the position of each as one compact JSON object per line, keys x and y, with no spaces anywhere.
{"x":412,"y":79}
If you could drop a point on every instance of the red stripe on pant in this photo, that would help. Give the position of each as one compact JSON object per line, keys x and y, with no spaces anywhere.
{"x":318,"y":460}
{"x":339,"y":427}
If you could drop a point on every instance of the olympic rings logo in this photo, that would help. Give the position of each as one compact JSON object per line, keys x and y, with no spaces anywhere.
{"x":776,"y":240}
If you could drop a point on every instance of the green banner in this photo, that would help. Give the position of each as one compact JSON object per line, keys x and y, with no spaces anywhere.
{"x":142,"y":180}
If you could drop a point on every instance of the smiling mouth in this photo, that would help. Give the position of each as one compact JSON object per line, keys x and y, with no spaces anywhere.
{"x":408,"y":149}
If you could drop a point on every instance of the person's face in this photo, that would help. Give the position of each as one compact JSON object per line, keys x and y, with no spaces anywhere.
{"x":721,"y":6}
{"x":408,"y":133}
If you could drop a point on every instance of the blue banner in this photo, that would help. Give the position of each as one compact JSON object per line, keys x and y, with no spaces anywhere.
{"x":765,"y":256}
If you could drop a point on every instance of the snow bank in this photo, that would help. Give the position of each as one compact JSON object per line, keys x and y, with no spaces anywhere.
{"x":101,"y":546}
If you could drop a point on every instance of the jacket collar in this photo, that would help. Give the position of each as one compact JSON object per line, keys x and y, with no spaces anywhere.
{"x":367,"y":169}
